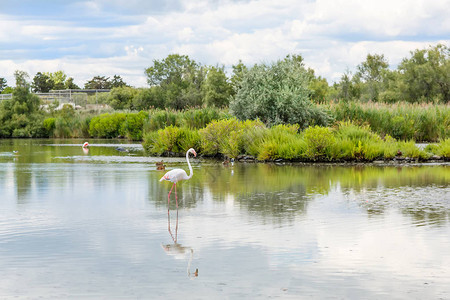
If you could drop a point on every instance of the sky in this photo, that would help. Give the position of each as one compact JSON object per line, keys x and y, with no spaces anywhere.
{"x":116,"y":37}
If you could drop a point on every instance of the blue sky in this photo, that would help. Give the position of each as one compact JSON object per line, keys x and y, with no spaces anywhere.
{"x":99,"y":37}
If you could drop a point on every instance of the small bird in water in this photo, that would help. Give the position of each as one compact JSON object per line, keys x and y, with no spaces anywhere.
{"x":86,"y":145}
{"x":228,"y":162}
{"x":15,"y":151}
{"x":160,"y":165}
{"x":122,"y":149}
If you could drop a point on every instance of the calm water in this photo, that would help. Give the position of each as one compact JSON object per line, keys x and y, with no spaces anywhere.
{"x":95,"y":225}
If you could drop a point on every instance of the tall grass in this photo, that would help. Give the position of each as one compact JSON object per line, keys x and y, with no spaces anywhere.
{"x":403,"y":121}
{"x":190,"y":118}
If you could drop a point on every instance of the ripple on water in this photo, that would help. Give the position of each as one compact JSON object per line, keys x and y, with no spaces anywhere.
{"x":428,"y":205}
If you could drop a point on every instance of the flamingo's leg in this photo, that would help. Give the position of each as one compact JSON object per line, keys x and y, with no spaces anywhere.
{"x":168,"y":198}
{"x":176,"y":198}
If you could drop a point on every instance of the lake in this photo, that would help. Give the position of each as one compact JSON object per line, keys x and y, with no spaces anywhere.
{"x":94,"y":224}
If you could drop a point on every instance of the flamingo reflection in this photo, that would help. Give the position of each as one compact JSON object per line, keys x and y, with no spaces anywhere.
{"x":177,"y":250}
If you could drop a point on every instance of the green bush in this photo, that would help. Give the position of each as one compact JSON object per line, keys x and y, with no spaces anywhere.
{"x":107,"y":125}
{"x":277,"y":94}
{"x":409,"y":149}
{"x":254,"y":137}
{"x":49,"y":126}
{"x":149,"y":140}
{"x":189,"y":138}
{"x":171,"y":139}
{"x":160,"y":119}
{"x":442,"y":148}
{"x":390,"y":148}
{"x":226,"y":136}
{"x":214,"y":136}
{"x":133,"y":125}
{"x":282,"y":141}
{"x":356,"y":142}
{"x":319,"y":141}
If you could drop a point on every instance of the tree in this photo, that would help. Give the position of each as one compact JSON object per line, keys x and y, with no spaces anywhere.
{"x":237,"y":76}
{"x":3,"y":84}
{"x":117,"y":81}
{"x":318,"y":87}
{"x":180,"y":79}
{"x":70,"y":85}
{"x":98,"y":83}
{"x":21,"y":79}
{"x":216,"y":88}
{"x":59,"y":79}
{"x":372,"y":72}
{"x":20,"y":116}
{"x":277,"y":94}
{"x":349,"y":87}
{"x":42,"y":83}
{"x":147,"y":98}
{"x":121,"y":97}
{"x":426,"y":75}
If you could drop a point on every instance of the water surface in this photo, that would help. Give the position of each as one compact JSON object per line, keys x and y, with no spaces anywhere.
{"x":95,"y":225}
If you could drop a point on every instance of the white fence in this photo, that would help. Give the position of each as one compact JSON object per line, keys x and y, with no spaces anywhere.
{"x":76,"y":97}
{"x":5,"y":96}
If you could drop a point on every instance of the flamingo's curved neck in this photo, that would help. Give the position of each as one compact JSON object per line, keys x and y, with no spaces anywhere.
{"x":189,"y":164}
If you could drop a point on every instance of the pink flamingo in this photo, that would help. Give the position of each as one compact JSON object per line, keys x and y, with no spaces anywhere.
{"x":86,"y":145}
{"x":176,"y":175}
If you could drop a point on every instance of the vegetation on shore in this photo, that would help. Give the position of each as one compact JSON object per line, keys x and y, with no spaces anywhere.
{"x":421,"y":122}
{"x":345,"y":141}
{"x":270,"y":111}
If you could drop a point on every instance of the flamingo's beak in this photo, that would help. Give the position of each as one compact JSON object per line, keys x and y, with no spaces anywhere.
{"x":195,"y":153}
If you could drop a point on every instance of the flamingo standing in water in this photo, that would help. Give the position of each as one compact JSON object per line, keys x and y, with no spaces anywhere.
{"x":176,"y":175}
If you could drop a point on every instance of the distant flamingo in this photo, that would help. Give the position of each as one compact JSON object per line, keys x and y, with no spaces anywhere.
{"x":86,"y":145}
{"x":176,"y":175}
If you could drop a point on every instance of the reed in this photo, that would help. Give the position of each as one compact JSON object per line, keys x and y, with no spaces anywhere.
{"x":403,"y":121}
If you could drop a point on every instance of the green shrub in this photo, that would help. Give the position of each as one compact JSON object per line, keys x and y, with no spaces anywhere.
{"x":282,"y":141}
{"x":160,"y":119}
{"x":168,"y":139}
{"x":107,"y":125}
{"x":355,"y":132}
{"x":49,"y":126}
{"x":373,"y":149}
{"x":319,"y":141}
{"x":215,"y":134}
{"x":390,"y":149}
{"x":172,"y":139}
{"x":62,"y":128}
{"x":442,"y":148}
{"x":254,"y":137}
{"x":189,"y":138}
{"x":277,"y":94}
{"x":133,"y":125}
{"x":409,"y":149}
{"x":357,"y":142}
{"x":149,"y":140}
{"x":85,"y":121}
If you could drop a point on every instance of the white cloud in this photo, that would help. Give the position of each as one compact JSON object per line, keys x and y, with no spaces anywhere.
{"x":332,"y":35}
